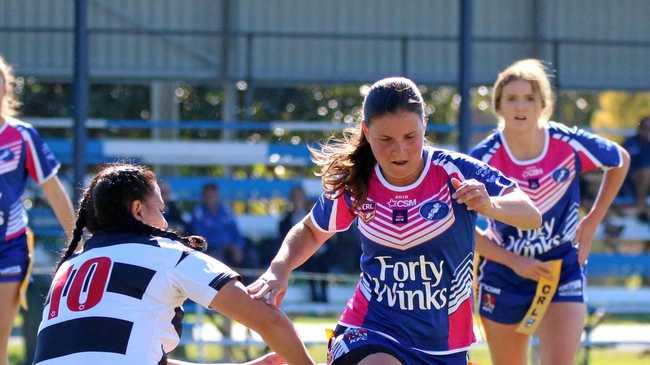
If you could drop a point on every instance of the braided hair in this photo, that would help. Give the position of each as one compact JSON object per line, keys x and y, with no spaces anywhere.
{"x":106,"y":206}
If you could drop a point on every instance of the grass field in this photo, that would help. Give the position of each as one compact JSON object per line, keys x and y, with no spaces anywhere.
{"x":479,"y":355}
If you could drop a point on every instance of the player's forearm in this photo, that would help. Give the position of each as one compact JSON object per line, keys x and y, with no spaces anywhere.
{"x":60,"y":203}
{"x":298,"y":246}
{"x":278,"y":332}
{"x":515,"y":209}
{"x":493,"y":252}
{"x":609,"y":187}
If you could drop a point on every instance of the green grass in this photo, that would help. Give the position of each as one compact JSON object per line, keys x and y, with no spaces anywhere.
{"x":479,"y":356}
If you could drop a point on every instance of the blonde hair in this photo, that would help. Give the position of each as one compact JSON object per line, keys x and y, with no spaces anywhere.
{"x":9,"y":106}
{"x":533,"y":71}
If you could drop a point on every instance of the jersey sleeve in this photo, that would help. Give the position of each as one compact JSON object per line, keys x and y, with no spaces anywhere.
{"x":40,"y":162}
{"x":200,"y":277}
{"x":467,"y":167}
{"x":594,"y":152}
{"x":332,"y":214}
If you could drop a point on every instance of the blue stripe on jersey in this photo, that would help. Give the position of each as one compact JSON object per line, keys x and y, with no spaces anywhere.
{"x":184,"y":254}
{"x":131,"y":280}
{"x":96,"y":334}
{"x":222,"y":279}
{"x":177,"y":321}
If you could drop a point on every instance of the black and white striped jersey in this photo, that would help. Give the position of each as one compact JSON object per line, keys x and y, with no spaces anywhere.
{"x":119,"y":300}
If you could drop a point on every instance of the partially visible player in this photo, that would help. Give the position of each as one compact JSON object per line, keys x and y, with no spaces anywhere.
{"x":23,"y":155}
{"x":117,"y":298}
{"x":415,"y":208}
{"x":546,"y":159}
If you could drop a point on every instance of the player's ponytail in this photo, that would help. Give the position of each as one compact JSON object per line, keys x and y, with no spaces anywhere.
{"x":80,"y":224}
{"x":346,"y":163}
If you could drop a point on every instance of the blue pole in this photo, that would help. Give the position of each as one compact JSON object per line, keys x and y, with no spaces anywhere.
{"x":80,"y":94}
{"x":465,"y":74}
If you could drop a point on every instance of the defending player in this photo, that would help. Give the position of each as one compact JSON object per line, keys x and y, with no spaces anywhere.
{"x":545,"y":158}
{"x":416,"y":207}
{"x":23,"y":155}
{"x":117,"y":299}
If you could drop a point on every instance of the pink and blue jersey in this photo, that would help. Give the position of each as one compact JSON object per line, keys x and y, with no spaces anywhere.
{"x":22,"y":154}
{"x":417,"y":242}
{"x":552,"y":182}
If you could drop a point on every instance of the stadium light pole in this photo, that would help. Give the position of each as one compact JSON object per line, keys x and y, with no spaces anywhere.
{"x":80,"y":94}
{"x":464,"y":74}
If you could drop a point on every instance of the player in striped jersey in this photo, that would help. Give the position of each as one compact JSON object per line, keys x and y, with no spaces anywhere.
{"x":117,"y":299}
{"x":416,"y":207}
{"x":546,"y":159}
{"x":23,"y":155}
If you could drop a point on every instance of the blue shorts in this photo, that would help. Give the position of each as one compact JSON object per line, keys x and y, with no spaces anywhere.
{"x":505,"y":297}
{"x":351,"y":345}
{"x":13,"y":259}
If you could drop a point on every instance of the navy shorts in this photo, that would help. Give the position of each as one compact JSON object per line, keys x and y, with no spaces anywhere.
{"x":505,"y":297}
{"x":351,"y":345}
{"x":13,"y":259}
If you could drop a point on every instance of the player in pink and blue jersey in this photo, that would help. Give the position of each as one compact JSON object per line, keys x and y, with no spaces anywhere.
{"x":23,"y":155}
{"x":415,"y":208}
{"x":545,"y":159}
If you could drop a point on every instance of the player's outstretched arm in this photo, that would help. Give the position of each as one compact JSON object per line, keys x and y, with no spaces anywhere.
{"x":268,"y":359}
{"x":60,"y":203}
{"x":610,"y":185}
{"x":302,"y":241}
{"x":514,"y":207}
{"x":276,"y":329}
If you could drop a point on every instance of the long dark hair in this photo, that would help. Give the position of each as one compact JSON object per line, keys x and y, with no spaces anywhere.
{"x":106,"y":206}
{"x":346,"y":163}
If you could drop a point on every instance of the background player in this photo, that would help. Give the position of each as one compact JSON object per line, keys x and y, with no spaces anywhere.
{"x":22,"y":154}
{"x":545,"y":158}
{"x":412,"y":304}
{"x":118,"y":299}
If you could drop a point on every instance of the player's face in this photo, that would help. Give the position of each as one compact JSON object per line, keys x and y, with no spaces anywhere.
{"x":396,"y":140}
{"x":152,"y":208}
{"x":521,"y":107}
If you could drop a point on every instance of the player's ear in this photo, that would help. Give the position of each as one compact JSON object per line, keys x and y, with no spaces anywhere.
{"x":364,"y":128}
{"x":136,"y":209}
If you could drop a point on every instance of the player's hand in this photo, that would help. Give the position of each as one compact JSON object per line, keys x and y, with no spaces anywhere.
{"x":531,"y":268}
{"x":270,"y":287}
{"x":473,"y":194}
{"x":584,"y":237}
{"x":268,"y":359}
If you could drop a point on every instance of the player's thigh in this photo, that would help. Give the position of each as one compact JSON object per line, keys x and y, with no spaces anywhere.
{"x":8,"y":308}
{"x":559,"y":333}
{"x":379,"y":358}
{"x":507,"y":347}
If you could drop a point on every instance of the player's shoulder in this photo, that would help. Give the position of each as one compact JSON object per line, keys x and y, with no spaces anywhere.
{"x":443,"y":156}
{"x":18,"y":124}
{"x":561,"y":131}
{"x":487,"y":146}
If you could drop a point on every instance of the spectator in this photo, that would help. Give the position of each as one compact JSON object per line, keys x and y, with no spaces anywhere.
{"x":298,"y":209}
{"x":173,"y":214}
{"x":639,"y":148}
{"x":213,"y":220}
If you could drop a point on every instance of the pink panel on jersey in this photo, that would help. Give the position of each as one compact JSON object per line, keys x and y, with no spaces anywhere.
{"x":355,"y":310}
{"x":461,"y":328}
{"x":344,"y":216}
{"x":587,"y":163}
